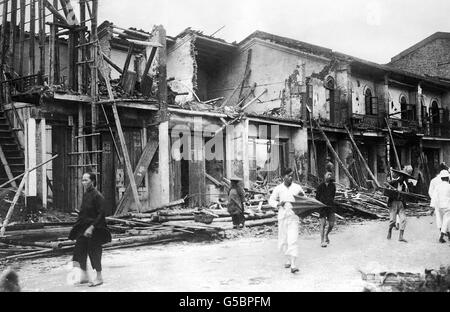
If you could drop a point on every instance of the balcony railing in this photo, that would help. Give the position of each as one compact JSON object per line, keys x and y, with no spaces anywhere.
{"x":437,"y":130}
{"x":369,"y":122}
{"x":404,"y":125}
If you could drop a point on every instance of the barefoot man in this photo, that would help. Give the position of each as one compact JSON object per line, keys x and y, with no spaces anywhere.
{"x":281,"y":198}
{"x":325,"y":193}
{"x":397,"y":204}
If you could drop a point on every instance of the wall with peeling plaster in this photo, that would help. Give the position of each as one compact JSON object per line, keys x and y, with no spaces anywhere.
{"x":321,"y":108}
{"x":394,"y":100}
{"x":271,"y":67}
{"x":359,"y":87}
{"x":428,"y":97}
{"x":181,"y":66}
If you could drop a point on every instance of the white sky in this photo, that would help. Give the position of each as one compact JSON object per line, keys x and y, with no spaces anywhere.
{"x":374,"y":30}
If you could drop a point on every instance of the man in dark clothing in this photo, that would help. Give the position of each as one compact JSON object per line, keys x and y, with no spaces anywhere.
{"x":397,"y":204}
{"x":325,"y":194}
{"x":90,"y":231}
{"x":236,"y":200}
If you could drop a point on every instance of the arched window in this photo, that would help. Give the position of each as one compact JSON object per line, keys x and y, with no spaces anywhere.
{"x":368,"y":101}
{"x":434,"y":112}
{"x":330,"y":96}
{"x":404,"y":107}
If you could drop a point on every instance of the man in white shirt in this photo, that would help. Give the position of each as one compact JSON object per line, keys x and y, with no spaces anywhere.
{"x":288,"y":222}
{"x":441,"y":197}
{"x":433,"y":184}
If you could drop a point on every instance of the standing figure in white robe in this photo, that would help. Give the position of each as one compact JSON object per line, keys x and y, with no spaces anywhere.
{"x":288,"y":222}
{"x":441,"y":200}
{"x":433,"y":184}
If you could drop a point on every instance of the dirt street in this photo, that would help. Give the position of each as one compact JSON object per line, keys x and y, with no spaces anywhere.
{"x":254,"y":264}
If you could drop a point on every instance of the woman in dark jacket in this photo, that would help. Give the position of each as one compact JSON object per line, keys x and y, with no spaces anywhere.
{"x":90,"y":231}
{"x":236,"y":199}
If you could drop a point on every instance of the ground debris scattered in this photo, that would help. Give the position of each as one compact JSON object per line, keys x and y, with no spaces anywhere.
{"x":431,"y":281}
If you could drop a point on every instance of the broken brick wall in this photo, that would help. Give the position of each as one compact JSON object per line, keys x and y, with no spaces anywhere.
{"x":431,"y":59}
{"x":181,"y":65}
{"x":273,"y":67}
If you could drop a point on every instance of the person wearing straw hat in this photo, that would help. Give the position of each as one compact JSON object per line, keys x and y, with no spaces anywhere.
{"x":433,"y":185}
{"x":397,"y":204}
{"x":236,"y":200}
{"x":288,"y":222}
{"x":441,"y":202}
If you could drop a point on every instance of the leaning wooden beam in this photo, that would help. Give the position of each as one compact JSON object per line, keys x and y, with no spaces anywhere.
{"x":123,"y":144}
{"x":336,"y":156}
{"x":241,"y":84}
{"x":132,"y":31}
{"x":7,"y":168}
{"x":69,"y":12}
{"x":254,"y":100}
{"x":127,"y":64}
{"x":362,"y":157}
{"x":399,"y":166}
{"x":110,"y":62}
{"x":13,"y":204}
{"x":55,"y":12}
{"x":172,"y":204}
{"x":146,"y":82}
{"x":213,"y":180}
{"x":139,"y":175}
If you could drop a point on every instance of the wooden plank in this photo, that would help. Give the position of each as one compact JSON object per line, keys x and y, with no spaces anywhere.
{"x":113,"y":65}
{"x":31,"y":189}
{"x":213,"y":180}
{"x":141,"y":169}
{"x":241,"y":84}
{"x":126,"y":66}
{"x":69,"y":12}
{"x":3,"y":49}
{"x":254,"y":100}
{"x":44,"y":157}
{"x":41,"y":18}
{"x":13,"y":33}
{"x":164,"y":147}
{"x":362,"y":157}
{"x":22,"y":37}
{"x":124,"y":146}
{"x":7,"y":168}
{"x":55,"y":12}
{"x":336,"y":156}
{"x":313,"y":140}
{"x":13,"y":204}
{"x":32,"y":63}
{"x":146,"y":82}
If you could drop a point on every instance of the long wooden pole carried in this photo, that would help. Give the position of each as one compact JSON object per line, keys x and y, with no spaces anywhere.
{"x":362,"y":158}
{"x":336,"y":156}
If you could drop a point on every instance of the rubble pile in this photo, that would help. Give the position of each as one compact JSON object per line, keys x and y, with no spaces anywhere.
{"x":48,"y":235}
{"x":430,"y":281}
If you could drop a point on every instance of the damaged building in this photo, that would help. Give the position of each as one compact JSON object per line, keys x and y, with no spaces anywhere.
{"x":162,"y":118}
